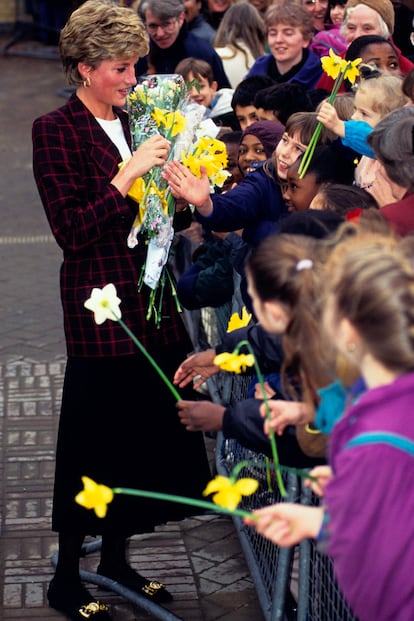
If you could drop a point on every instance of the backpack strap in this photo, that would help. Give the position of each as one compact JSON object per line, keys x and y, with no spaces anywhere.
{"x":383,"y":437}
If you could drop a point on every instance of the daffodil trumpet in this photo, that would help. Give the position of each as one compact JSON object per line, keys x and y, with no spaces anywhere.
{"x":338,"y":69}
{"x":236,"y":362}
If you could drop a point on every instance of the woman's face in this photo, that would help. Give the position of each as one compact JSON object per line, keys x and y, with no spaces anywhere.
{"x":337,"y":13}
{"x":286,"y":44}
{"x":273,"y":316}
{"x":287,"y":152}
{"x":317,"y":11}
{"x":110,"y":83}
{"x":300,"y":192}
{"x":382,"y":56}
{"x":362,"y":21}
{"x":250,"y":150}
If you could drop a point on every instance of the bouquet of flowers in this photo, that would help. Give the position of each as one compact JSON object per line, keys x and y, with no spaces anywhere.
{"x":159,"y":104}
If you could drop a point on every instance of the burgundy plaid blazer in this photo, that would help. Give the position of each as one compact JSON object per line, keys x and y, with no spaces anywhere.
{"x":74,"y":162}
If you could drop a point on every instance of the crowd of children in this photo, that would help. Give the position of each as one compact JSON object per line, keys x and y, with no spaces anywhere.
{"x":330,"y":288}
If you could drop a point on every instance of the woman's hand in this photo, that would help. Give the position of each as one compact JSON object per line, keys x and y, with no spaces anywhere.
{"x":184,"y":184}
{"x":286,"y":524}
{"x":284,"y":413}
{"x":324,"y":474}
{"x":197,"y":367}
{"x":152,"y":152}
{"x":201,"y":415}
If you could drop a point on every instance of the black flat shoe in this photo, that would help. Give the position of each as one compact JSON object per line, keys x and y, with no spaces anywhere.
{"x":76,"y":602}
{"x":151,"y":589}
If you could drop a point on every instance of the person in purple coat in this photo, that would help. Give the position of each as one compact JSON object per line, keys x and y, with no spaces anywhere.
{"x":366,"y":521}
{"x":289,"y":30}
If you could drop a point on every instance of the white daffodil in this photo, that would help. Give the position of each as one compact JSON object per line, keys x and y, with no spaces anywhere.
{"x":104,"y":303}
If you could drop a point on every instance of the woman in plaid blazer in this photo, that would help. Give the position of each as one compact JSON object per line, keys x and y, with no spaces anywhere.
{"x":118,"y":423}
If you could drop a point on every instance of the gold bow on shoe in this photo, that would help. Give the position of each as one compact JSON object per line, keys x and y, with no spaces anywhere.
{"x":88,"y":610}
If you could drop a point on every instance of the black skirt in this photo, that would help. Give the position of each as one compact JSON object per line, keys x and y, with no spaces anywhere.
{"x":120,"y":427}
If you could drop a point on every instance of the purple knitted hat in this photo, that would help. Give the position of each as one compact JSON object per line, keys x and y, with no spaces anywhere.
{"x":268,"y":132}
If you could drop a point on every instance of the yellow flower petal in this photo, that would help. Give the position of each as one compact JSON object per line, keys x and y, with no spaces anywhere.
{"x":234,"y":363}
{"x":218,"y":483}
{"x":104,"y":303}
{"x":352,"y":71}
{"x":94,"y":496}
{"x":236,"y":322}
{"x":159,"y":116}
{"x":332,"y":64}
{"x":247,"y":486}
{"x":228,"y":498}
{"x":228,"y":493}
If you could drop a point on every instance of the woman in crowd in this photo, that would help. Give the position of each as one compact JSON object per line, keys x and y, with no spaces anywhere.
{"x":105,"y":431}
{"x":240,"y":40}
{"x":289,"y":31}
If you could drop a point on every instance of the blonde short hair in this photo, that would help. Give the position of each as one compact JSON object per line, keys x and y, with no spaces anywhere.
{"x":100,"y":30}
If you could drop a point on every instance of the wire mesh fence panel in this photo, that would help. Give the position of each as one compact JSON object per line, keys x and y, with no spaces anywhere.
{"x":270,"y":566}
{"x":320,"y":598}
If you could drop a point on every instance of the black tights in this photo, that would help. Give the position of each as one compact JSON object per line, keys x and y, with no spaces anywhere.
{"x":113,"y":555}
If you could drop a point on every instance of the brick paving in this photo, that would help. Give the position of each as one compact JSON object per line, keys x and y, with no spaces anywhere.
{"x":200,"y":558}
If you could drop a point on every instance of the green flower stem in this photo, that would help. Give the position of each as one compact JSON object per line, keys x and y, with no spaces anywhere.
{"x":203,"y":504}
{"x":275,"y":455}
{"x":304,"y":474}
{"x":307,"y":156}
{"x":149,"y":358}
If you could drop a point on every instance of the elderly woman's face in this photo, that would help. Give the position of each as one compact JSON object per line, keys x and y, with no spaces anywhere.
{"x":362,"y":21}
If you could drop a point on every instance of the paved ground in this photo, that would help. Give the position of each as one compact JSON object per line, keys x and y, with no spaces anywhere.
{"x":199,"y":559}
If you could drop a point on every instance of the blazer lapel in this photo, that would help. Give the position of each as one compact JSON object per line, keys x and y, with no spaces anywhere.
{"x":101,"y":149}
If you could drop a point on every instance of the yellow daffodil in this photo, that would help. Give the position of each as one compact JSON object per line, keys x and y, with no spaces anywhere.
{"x":94,"y":496}
{"x":351,"y":71}
{"x":228,"y":493}
{"x":332,"y":64}
{"x":104,"y":303}
{"x":191,"y":162}
{"x":236,"y":322}
{"x":219,"y":178}
{"x":175,"y":123}
{"x":159,"y":116}
{"x":234,"y":363}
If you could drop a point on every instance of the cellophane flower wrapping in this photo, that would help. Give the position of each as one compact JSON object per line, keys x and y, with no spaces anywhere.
{"x":158,"y":104}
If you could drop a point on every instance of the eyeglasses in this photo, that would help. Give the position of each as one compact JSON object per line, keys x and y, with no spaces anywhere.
{"x":167,"y":25}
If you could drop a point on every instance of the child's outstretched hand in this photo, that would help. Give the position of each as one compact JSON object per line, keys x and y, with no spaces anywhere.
{"x":286,"y":524}
{"x":184,"y":184}
{"x":328,"y":116}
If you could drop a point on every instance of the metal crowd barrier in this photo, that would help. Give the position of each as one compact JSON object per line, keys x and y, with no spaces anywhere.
{"x":291,"y":584}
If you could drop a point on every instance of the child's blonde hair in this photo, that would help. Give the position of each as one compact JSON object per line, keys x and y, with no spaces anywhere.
{"x":385,"y":93}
